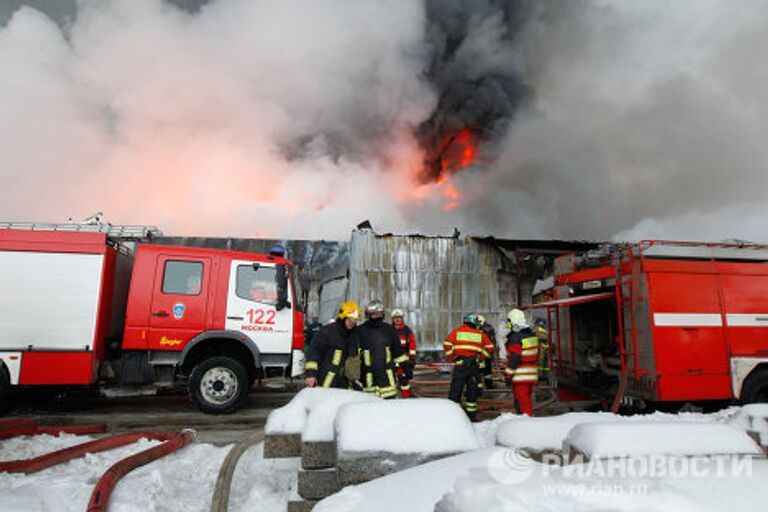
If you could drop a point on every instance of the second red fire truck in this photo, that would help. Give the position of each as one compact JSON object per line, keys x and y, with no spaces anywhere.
{"x":662,"y":322}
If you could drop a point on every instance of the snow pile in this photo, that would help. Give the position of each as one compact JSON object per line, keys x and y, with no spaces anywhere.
{"x":418,"y":425}
{"x":292,"y":417}
{"x":602,"y":440}
{"x":182,"y":481}
{"x":413,"y":490}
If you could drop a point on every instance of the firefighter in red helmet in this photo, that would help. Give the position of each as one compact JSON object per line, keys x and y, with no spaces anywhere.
{"x":523,"y":356}
{"x":408,"y":343}
{"x":467,"y":346}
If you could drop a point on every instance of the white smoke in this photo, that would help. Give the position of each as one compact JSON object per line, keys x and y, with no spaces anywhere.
{"x":296,"y":119}
{"x":246,"y":118}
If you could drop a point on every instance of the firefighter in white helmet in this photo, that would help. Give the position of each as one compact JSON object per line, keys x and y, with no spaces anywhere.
{"x":522,"y":364}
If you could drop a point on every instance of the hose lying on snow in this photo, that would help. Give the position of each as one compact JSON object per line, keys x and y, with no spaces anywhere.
{"x":26,"y":427}
{"x":35,"y":464}
{"x":220,"y":500}
{"x":100,"y":496}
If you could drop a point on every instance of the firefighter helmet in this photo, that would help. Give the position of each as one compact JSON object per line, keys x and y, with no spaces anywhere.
{"x":481,"y":320}
{"x":374,"y":308}
{"x":472,"y":320}
{"x":516,"y":317}
{"x":397,"y":312}
{"x":349,"y":309}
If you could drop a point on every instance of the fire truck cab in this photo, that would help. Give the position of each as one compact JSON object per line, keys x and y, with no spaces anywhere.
{"x":662,"y":321}
{"x":79,"y":308}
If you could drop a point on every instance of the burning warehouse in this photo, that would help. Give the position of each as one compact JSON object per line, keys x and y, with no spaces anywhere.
{"x":435,"y":280}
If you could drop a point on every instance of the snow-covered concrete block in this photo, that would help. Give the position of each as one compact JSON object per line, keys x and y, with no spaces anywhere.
{"x":545,"y":434}
{"x":318,"y":483}
{"x":375,"y":439}
{"x":308,"y":416}
{"x":318,"y":454}
{"x":635,"y":439}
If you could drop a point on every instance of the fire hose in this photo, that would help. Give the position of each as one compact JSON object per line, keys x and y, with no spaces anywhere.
{"x":220,"y":500}
{"x":101,"y":493}
{"x":172,"y":441}
{"x":27,"y":427}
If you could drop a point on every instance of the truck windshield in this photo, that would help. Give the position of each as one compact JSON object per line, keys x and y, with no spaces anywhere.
{"x":256,"y":284}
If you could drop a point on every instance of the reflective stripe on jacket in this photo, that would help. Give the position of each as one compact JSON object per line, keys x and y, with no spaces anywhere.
{"x":465,"y":341}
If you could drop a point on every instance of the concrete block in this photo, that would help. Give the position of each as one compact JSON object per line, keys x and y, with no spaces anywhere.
{"x":356,"y":468}
{"x":278,"y":446}
{"x":318,"y":455}
{"x":318,"y":483}
{"x":301,"y":506}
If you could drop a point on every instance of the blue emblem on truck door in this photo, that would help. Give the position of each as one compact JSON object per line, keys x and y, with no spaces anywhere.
{"x":178,"y":310}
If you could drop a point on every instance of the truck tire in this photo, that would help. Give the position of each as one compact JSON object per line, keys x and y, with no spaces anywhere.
{"x":756,"y":387}
{"x":5,"y":390}
{"x":218,"y":385}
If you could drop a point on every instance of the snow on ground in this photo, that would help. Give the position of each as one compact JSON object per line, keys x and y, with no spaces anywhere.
{"x":263,"y":485}
{"x":182,"y":481}
{"x":640,"y":438}
{"x":179,"y":482}
{"x":691,"y":484}
{"x":416,"y":425}
{"x":750,"y":417}
{"x":413,"y":490}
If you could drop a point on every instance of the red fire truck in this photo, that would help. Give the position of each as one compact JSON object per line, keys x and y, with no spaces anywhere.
{"x":79,"y":308}
{"x":662,"y":322}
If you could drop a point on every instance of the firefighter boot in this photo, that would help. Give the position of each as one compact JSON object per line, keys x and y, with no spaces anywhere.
{"x":471,"y":409}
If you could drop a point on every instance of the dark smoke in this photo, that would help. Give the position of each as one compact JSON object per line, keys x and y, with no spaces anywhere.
{"x":478,"y":86}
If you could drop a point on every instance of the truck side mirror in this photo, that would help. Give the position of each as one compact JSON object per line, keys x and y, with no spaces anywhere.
{"x":281,"y":282}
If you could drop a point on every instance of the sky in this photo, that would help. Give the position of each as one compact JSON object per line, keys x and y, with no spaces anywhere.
{"x":600,"y":119}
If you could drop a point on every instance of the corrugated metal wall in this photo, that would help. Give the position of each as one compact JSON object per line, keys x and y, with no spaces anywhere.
{"x":435,"y":281}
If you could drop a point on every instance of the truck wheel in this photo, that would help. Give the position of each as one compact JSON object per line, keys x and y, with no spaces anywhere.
{"x":5,"y":390}
{"x":218,"y":385}
{"x":756,"y":387}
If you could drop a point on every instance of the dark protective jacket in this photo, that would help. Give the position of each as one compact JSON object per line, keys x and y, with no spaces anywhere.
{"x":380,"y":350}
{"x":326,"y":355}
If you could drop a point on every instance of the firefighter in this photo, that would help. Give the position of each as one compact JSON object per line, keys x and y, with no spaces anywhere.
{"x":408,"y":344}
{"x":523,"y":356}
{"x":467,"y":346}
{"x":381,"y":352}
{"x":540,"y":330}
{"x":487,"y":366}
{"x":330,"y":348}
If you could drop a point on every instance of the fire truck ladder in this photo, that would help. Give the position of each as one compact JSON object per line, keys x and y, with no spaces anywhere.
{"x":627,"y":333}
{"x":113,"y":232}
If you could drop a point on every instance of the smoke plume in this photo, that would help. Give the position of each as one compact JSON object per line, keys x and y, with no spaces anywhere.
{"x":300,"y":118}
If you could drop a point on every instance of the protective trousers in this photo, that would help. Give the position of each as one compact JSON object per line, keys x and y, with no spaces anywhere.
{"x":466,"y":374}
{"x":523,"y":400}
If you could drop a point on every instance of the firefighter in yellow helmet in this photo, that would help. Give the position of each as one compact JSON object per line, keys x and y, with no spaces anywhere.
{"x":330,"y":348}
{"x":523,"y":357}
